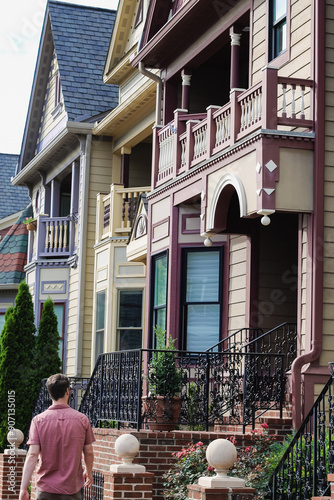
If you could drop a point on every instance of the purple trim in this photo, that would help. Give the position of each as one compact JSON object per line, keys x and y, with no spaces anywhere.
{"x":43,"y":283}
{"x":55,"y":195}
{"x":160,"y":223}
{"x":173,"y":287}
{"x":184,"y":229}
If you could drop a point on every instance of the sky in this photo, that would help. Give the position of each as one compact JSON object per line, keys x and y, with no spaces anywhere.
{"x":20,"y":31}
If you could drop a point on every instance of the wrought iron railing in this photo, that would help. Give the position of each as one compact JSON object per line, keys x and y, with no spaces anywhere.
{"x":237,"y":340}
{"x":214,"y":388}
{"x":302,"y":471}
{"x":95,"y":491}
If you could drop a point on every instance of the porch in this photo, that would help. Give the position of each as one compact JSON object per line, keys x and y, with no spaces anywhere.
{"x":116,"y":211}
{"x":276,"y":103}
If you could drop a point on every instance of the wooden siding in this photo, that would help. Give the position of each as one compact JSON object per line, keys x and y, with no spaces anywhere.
{"x":237,"y":283}
{"x":99,"y":181}
{"x":300,"y":40}
{"x":328,"y":293}
{"x":48,"y":121}
{"x":72,"y":320}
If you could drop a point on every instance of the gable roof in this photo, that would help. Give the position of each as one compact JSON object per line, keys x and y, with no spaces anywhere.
{"x":12,"y":198}
{"x":80,"y":38}
{"x":13,"y":251}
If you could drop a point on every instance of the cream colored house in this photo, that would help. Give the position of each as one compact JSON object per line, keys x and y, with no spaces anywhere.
{"x":65,"y":166}
{"x":120,"y":273}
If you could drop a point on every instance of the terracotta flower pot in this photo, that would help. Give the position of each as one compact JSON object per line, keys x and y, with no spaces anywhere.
{"x":162,"y":413}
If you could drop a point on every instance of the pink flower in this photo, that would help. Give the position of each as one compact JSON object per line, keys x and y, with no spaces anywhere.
{"x":210,"y":468}
{"x":199,"y":443}
{"x":233,"y":440}
{"x":249,"y":448}
{"x":264,"y":425}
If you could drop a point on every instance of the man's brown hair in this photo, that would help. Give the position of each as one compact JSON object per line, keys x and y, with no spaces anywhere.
{"x":57,"y":386}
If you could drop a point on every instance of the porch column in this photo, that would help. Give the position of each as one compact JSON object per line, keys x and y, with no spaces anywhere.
{"x":235,"y":35}
{"x":125,"y":152}
{"x":74,"y":187}
{"x":186,"y":78}
{"x":55,"y":190}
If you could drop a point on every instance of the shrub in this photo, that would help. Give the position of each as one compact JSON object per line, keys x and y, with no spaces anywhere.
{"x":17,"y":345}
{"x":190,"y":465}
{"x":47,"y":359}
{"x":255,"y":464}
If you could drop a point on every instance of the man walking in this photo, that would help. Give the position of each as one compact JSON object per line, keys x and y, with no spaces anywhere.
{"x":58,"y":437}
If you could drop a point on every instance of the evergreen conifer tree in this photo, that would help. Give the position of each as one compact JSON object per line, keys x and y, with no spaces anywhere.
{"x":47,"y":359}
{"x":17,"y":344}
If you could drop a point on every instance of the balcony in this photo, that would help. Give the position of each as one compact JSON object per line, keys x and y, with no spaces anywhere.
{"x":275,"y":103}
{"x":55,"y":237}
{"x":116,"y":211}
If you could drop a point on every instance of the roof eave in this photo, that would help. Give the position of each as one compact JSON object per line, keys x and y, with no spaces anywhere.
{"x":69,"y":129}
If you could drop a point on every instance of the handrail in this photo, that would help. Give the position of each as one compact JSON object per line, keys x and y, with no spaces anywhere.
{"x":227,"y":339}
{"x":302,"y":471}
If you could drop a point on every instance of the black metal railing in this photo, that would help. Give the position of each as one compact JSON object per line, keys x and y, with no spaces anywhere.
{"x":236,"y":340}
{"x":302,"y":471}
{"x":95,"y":492}
{"x":214,"y":387}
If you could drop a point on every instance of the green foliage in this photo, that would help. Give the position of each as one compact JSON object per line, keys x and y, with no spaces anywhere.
{"x":257,"y":462}
{"x":17,"y":345}
{"x":164,"y":377}
{"x":190,"y":465}
{"x":47,"y":359}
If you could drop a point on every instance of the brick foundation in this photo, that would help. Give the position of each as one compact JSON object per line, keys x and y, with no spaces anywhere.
{"x":134,"y":486}
{"x":197,"y":492}
{"x":11,"y":468}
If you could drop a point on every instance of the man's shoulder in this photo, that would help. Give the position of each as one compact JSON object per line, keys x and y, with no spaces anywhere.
{"x":52,"y":413}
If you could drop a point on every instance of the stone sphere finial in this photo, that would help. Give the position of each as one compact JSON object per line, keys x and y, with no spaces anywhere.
{"x":221,"y":454}
{"x":127,"y":447}
{"x":15,"y":437}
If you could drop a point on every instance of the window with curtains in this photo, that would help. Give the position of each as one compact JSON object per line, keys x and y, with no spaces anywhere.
{"x":100,"y":323}
{"x":130,"y":314}
{"x":2,"y":321}
{"x":278,"y":27}
{"x":159,"y":291}
{"x":201,"y":297}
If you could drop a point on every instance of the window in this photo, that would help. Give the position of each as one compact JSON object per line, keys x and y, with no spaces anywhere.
{"x":129,"y":329}
{"x":100,"y":322}
{"x":57,"y":89}
{"x":59,"y":312}
{"x":278,"y":27}
{"x":139,"y":16}
{"x":159,"y":295}
{"x":201,"y":298}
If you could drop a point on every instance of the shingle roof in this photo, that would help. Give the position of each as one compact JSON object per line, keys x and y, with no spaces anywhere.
{"x":13,"y":251}
{"x":12,"y":198}
{"x":81,"y":38}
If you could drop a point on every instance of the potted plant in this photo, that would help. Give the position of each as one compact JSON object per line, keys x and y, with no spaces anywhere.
{"x":163,"y":404}
{"x":31,"y":223}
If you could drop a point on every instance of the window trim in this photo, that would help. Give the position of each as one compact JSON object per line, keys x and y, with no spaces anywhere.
{"x":284,"y":56}
{"x":154,"y":258}
{"x":118,"y":328}
{"x":183,"y":304}
{"x":100,"y":292}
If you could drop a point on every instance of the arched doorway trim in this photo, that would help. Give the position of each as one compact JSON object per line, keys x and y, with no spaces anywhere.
{"x":226,"y":180}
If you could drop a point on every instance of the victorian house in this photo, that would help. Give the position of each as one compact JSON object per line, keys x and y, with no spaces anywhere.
{"x":64,"y":166}
{"x":240,"y":234}
{"x":120,"y":269}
